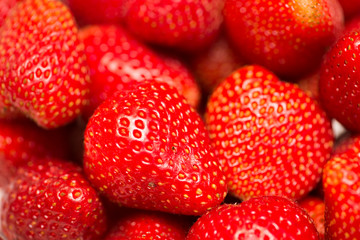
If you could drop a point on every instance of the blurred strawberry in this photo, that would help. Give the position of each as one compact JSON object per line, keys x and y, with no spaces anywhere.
{"x":184,"y":25}
{"x":352,"y":25}
{"x":271,"y":138}
{"x":214,"y":64}
{"x":350,"y":7}
{"x":315,"y":207}
{"x":287,"y":37}
{"x":342,"y":198}
{"x":5,"y":6}
{"x":116,"y":60}
{"x":339,"y":81}
{"x":310,"y":84}
{"x":43,"y":71}
{"x":260,"y":218}
{"x":149,"y":225}
{"x":145,"y":147}
{"x":98,"y":11}
{"x":51,"y":199}
{"x":21,"y":142}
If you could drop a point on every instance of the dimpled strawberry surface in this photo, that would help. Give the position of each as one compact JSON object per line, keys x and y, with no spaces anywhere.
{"x":179,"y":119}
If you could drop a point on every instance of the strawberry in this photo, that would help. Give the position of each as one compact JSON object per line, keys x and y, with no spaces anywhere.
{"x":339,"y":78}
{"x":352,"y":25}
{"x":271,"y":138}
{"x":187,"y":25}
{"x":348,"y":142}
{"x":116,"y":59}
{"x":5,"y":6}
{"x":145,"y":147}
{"x":351,"y":8}
{"x":51,"y":199}
{"x":267,"y":217}
{"x":149,"y":225}
{"x":288,"y":37}
{"x":315,"y":207}
{"x":310,"y":84}
{"x":341,"y":191}
{"x":98,"y":12}
{"x":214,"y":64}
{"x":43,"y":71}
{"x":23,"y":141}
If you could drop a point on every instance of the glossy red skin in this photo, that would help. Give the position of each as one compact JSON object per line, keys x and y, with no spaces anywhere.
{"x":288,"y":37}
{"x":117,"y":59}
{"x":351,"y":8}
{"x":98,"y":11}
{"x":214,"y":64}
{"x":261,"y":218}
{"x":149,"y":225}
{"x":185,"y":25}
{"x":342,"y":198}
{"x":271,"y":138}
{"x":51,"y":199}
{"x":5,"y":6}
{"x":145,"y":147}
{"x":339,"y":77}
{"x":315,"y":207}
{"x":43,"y":71}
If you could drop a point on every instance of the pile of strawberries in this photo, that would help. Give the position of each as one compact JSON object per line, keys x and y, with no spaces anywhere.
{"x":179,"y":119}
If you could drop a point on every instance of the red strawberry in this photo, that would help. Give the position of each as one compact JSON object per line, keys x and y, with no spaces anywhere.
{"x":339,"y":81}
{"x":145,"y":147}
{"x":215,"y":64}
{"x":149,"y":225}
{"x":353,"y":25}
{"x":21,"y":142}
{"x":5,"y":6}
{"x":342,"y":197}
{"x":116,"y":59}
{"x":43,"y":71}
{"x":348,"y":142}
{"x":350,"y":7}
{"x":271,"y":138}
{"x":51,"y":199}
{"x":288,"y":37}
{"x":186,"y":24}
{"x":315,"y":207}
{"x":310,"y":84}
{"x":98,"y":11}
{"x":185,"y":82}
{"x":7,"y":111}
{"x":261,"y":218}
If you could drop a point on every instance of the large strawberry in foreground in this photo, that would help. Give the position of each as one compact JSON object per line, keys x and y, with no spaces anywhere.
{"x":49,"y":200}
{"x":43,"y":72}
{"x":258,"y":218}
{"x":288,"y":37}
{"x":271,"y":138}
{"x":145,"y":147}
